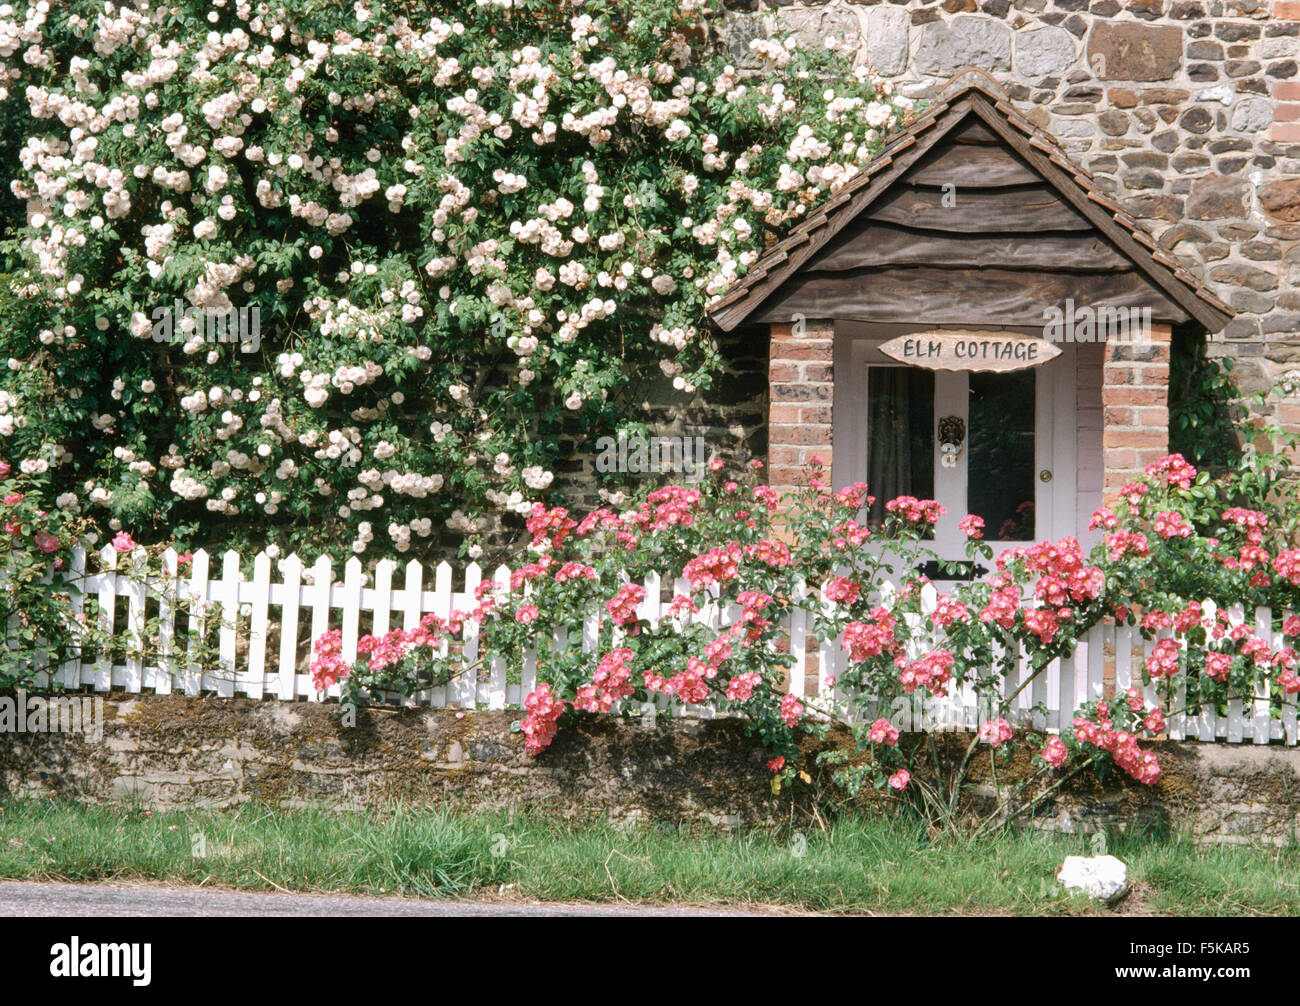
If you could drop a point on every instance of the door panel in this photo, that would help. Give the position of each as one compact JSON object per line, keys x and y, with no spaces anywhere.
{"x":1001,"y":460}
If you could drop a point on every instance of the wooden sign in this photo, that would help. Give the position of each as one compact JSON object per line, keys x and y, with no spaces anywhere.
{"x":953,"y":349}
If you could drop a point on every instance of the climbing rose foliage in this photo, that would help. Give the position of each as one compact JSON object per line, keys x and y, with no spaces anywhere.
{"x":743,"y":559}
{"x":461,"y":227}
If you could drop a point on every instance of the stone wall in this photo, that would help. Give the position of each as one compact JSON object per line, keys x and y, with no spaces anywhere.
{"x":1187,"y":111}
{"x":176,"y":752}
{"x":730,"y":417}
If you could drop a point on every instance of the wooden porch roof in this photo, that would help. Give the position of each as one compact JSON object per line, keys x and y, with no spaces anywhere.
{"x":1029,"y":228}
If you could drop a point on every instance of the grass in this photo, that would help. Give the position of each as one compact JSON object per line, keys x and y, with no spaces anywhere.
{"x":857,"y":865}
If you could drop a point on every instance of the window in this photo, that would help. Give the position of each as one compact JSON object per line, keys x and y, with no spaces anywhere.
{"x":900,"y":438}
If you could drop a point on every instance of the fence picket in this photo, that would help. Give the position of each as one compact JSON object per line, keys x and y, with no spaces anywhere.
{"x":321,"y":594}
{"x":1263,"y":720}
{"x":825,"y":668}
{"x":1038,"y":695}
{"x":469,"y":680}
{"x":352,"y":586}
{"x":442,"y":608}
{"x":40,"y":655}
{"x":650,"y":609}
{"x":1069,"y":697}
{"x":291,"y":573}
{"x":1178,"y":716}
{"x":1206,"y":718}
{"x":1205,"y":721}
{"x":1236,"y":728}
{"x":134,"y":671}
{"x":1010,"y":676}
{"x":382,"y":598}
{"x":196,"y":680}
{"x":969,"y":703}
{"x":412,"y":608}
{"x":1096,"y":643}
{"x":258,"y":626}
{"x":1289,"y":702}
{"x":839,"y":664}
{"x":71,"y":669}
{"x":228,"y":645}
{"x":1149,"y":690}
{"x":799,"y":639}
{"x":1123,"y":659}
{"x":168,"y":585}
{"x":107,"y":616}
{"x":496,"y":697}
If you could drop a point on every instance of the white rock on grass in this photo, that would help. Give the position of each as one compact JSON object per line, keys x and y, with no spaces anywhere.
{"x":1101,"y":877}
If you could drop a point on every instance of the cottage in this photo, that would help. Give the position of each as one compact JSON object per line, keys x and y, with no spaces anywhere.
{"x":972,"y":320}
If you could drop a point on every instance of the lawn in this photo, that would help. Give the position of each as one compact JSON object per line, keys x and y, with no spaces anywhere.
{"x":856,"y":865}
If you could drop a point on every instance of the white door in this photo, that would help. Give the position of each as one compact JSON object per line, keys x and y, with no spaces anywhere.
{"x":1014,"y":433}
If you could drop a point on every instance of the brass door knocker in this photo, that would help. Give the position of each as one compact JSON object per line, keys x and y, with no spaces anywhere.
{"x":952,"y":434}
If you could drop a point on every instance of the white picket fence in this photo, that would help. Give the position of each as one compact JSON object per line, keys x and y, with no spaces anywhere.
{"x":302,"y":598}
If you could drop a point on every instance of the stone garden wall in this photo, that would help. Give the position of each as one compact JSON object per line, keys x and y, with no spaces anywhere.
{"x":176,"y":752}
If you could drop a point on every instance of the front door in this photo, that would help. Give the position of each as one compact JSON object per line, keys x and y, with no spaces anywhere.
{"x":997,"y":445}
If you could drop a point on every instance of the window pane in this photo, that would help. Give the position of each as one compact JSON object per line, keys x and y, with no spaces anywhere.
{"x":900,"y":435}
{"x":1000,"y":454}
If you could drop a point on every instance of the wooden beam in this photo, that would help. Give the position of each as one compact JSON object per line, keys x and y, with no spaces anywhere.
{"x":970,"y":167}
{"x":871,"y":245}
{"x":976,"y":134}
{"x":994,"y":297}
{"x":974,"y":211}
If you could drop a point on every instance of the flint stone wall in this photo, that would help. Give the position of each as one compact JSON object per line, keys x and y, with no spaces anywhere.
{"x":176,"y":752}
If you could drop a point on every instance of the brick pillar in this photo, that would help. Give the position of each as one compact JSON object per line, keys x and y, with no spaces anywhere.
{"x":1286,"y":93}
{"x":801,"y":396}
{"x":1135,"y":407}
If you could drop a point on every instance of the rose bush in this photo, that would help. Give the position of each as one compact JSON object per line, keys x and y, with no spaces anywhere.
{"x":462,"y":227}
{"x":49,"y":608}
{"x":43,"y":627}
{"x":1177,"y":553}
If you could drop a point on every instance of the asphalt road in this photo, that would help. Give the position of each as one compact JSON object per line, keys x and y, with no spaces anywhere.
{"x":26,"y":900}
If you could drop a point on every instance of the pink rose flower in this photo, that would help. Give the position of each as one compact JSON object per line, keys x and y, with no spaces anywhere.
{"x":1055,"y":752}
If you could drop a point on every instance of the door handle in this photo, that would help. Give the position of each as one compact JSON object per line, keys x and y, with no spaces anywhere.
{"x":952,"y":434}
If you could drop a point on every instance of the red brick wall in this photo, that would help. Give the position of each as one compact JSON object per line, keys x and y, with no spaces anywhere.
{"x":1286,"y":93}
{"x":1135,"y":407}
{"x":801,"y":395}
